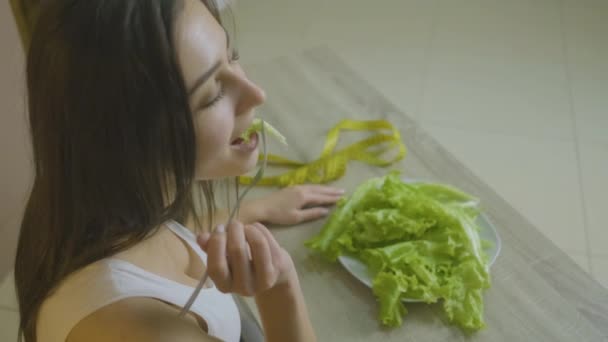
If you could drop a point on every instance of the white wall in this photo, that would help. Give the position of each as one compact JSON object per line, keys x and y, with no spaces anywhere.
{"x":15,"y":170}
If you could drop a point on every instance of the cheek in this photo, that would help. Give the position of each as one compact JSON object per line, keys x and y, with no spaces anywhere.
{"x":208,"y":136}
{"x":213,"y":133}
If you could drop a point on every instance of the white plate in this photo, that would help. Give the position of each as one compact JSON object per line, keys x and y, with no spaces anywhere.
{"x":487,"y":232}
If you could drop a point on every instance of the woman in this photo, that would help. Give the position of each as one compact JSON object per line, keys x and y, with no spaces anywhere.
{"x":135,"y":111}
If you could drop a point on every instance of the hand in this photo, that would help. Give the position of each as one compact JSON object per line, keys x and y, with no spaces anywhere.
{"x":295,"y":204}
{"x":246,"y":260}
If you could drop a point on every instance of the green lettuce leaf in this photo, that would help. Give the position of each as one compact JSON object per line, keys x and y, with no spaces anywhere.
{"x":419,"y":241}
{"x":256,"y":126}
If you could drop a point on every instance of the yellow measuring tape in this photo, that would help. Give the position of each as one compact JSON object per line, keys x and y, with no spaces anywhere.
{"x":331,"y":165}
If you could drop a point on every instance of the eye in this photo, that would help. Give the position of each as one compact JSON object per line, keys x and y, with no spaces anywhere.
{"x":234,"y":57}
{"x":216,"y":99}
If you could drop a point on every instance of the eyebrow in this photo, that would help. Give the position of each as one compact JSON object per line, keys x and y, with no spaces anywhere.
{"x":204,"y":77}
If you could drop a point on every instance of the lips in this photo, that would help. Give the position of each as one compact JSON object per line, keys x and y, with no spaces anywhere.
{"x":246,"y":146}
{"x":239,"y":138}
{"x":237,"y":141}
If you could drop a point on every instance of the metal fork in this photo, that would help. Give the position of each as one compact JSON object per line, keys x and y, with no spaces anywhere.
{"x":254,"y":181}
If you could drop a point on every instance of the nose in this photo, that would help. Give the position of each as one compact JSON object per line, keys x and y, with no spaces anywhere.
{"x":250,"y":94}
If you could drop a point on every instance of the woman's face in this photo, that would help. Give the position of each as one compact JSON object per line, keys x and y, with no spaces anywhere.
{"x":221,"y":97}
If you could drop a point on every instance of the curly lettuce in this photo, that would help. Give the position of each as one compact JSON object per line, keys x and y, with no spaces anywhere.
{"x":419,"y":241}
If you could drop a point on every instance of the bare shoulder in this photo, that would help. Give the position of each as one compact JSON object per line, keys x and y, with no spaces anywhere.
{"x":138,"y":319}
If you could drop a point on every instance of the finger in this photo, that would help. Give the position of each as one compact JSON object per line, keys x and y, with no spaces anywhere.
{"x":321,"y":199}
{"x":311,"y":214}
{"x":275,"y":248}
{"x":203,"y":240}
{"x":327,"y":190}
{"x":264,"y":271}
{"x":217,"y":265}
{"x":238,"y":258}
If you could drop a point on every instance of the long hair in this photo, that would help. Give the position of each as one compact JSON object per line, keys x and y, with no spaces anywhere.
{"x":113,"y":139}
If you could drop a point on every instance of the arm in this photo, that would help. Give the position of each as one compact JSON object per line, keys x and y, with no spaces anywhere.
{"x":139,"y":319}
{"x":250,"y":211}
{"x":268,"y":274}
{"x":284,"y":314}
{"x":288,"y":206}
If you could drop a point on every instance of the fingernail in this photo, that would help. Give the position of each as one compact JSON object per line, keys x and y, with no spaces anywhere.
{"x":342,"y":191}
{"x":220,"y":228}
{"x":325,"y":211}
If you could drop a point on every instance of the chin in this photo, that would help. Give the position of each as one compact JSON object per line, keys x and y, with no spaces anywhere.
{"x":237,"y":165}
{"x":251,"y":163}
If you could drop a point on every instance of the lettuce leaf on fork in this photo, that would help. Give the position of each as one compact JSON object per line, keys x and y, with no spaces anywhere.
{"x":256,"y":126}
{"x":420,"y":241}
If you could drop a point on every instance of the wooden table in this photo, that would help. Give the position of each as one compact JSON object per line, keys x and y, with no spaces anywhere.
{"x":538,"y":292}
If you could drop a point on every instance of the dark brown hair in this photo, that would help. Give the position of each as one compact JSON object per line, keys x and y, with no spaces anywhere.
{"x":112,"y":135}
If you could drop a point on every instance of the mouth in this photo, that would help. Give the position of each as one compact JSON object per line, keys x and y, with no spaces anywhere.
{"x":241,"y":144}
{"x":237,"y":141}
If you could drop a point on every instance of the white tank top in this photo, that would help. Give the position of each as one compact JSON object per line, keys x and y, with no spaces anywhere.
{"x":109,"y":280}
